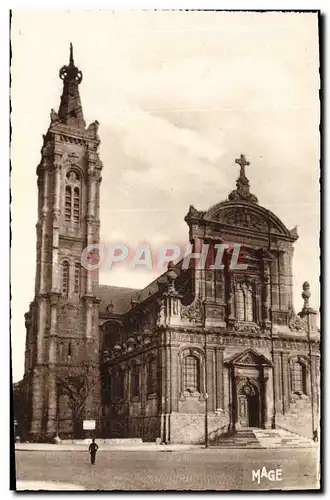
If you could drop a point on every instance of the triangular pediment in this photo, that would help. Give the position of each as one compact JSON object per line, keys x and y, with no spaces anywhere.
{"x":249,"y":357}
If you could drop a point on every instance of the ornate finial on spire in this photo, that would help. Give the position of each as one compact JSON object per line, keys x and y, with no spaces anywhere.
{"x":306,"y":294}
{"x":242,"y":191}
{"x":71,"y":72}
{"x":71,"y":55}
{"x":70,"y":111}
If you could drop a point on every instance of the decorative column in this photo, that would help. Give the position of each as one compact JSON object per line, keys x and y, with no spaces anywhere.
{"x":229,"y":296}
{"x":37,"y":403}
{"x":55,"y":287}
{"x":41,"y":279}
{"x":219,"y":378}
{"x":265,"y":301}
{"x":234,"y":382}
{"x":264,"y":397}
{"x":89,"y":222}
{"x":199,"y":285}
{"x":285,"y":381}
{"x":56,"y":218}
{"x":52,"y":359}
{"x":163,"y":402}
{"x":277,"y":380}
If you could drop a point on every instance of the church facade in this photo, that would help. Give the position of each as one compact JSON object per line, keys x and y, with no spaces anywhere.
{"x":197,"y":353}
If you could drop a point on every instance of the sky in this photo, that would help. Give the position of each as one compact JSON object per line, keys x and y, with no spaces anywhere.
{"x":179,"y":96}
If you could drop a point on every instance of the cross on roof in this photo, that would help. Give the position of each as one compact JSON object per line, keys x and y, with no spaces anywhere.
{"x":242,"y":163}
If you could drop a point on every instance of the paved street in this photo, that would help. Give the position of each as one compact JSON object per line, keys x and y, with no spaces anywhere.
{"x":177,"y":470}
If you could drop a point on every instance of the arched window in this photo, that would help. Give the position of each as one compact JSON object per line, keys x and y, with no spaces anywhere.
{"x":72,"y":198}
{"x":76,"y":205}
{"x":68,"y":203}
{"x":77,"y":269}
{"x":298,"y":378}
{"x":244,"y":300}
{"x":240,"y":314}
{"x":152,"y":375}
{"x":65,"y":278}
{"x":135,"y":380}
{"x":248,"y":304}
{"x":69,"y":351}
{"x":191,"y":374}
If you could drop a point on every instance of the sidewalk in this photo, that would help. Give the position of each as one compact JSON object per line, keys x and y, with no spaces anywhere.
{"x":105,"y":447}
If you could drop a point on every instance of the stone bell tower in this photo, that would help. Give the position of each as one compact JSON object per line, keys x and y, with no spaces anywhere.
{"x":62,"y":324}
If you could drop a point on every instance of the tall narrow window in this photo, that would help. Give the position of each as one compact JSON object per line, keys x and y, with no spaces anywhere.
{"x":248,"y":305}
{"x":244,"y":303}
{"x":76,"y":206}
{"x":68,"y":203}
{"x":298,"y":378}
{"x":240,"y":314}
{"x":152,"y":376}
{"x":135,"y":380}
{"x":72,"y":198}
{"x":69,"y":351}
{"x":65,"y":278}
{"x":77,"y":278}
{"x":191,"y":374}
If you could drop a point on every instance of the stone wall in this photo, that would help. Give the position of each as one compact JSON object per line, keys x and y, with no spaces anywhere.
{"x":190,"y":428}
{"x":147,"y":428}
{"x":298,"y":419}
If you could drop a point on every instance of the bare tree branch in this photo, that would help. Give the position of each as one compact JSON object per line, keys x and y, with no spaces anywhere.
{"x":77,"y":383}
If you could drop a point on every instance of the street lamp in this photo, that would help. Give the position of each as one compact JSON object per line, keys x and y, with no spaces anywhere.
{"x":307,"y":311}
{"x":206,"y":394}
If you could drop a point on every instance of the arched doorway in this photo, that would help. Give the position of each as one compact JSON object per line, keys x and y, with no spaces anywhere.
{"x":248,"y":406}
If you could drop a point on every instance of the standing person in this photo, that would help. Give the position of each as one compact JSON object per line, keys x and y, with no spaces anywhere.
{"x":92,"y":450}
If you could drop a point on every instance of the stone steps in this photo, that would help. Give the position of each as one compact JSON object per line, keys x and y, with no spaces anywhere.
{"x":241,"y":439}
{"x":263,"y":438}
{"x":280,"y":438}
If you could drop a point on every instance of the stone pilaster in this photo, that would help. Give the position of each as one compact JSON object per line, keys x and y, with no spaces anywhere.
{"x":37,"y":404}
{"x":264,"y":396}
{"x":55,"y":282}
{"x":199,"y":273}
{"x":285,"y":381}
{"x":210,"y":360}
{"x":89,"y":318}
{"x":219,"y":378}
{"x":41,"y":284}
{"x":52,"y":360}
{"x":277,"y":381}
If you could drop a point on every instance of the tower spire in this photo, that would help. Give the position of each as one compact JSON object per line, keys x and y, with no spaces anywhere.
{"x":71,"y":55}
{"x":70,"y":111}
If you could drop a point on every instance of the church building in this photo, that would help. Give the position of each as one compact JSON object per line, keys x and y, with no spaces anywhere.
{"x":197,"y":353}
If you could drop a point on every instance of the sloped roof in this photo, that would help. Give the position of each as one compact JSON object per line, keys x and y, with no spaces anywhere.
{"x":120,"y":297}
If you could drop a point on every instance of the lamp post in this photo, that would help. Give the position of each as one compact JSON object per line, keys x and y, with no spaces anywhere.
{"x":206,"y":423}
{"x":307,"y":311}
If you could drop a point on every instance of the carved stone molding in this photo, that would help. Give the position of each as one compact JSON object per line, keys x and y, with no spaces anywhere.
{"x":280,"y":317}
{"x":296,"y":323}
{"x":245,"y":327}
{"x":193,"y":313}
